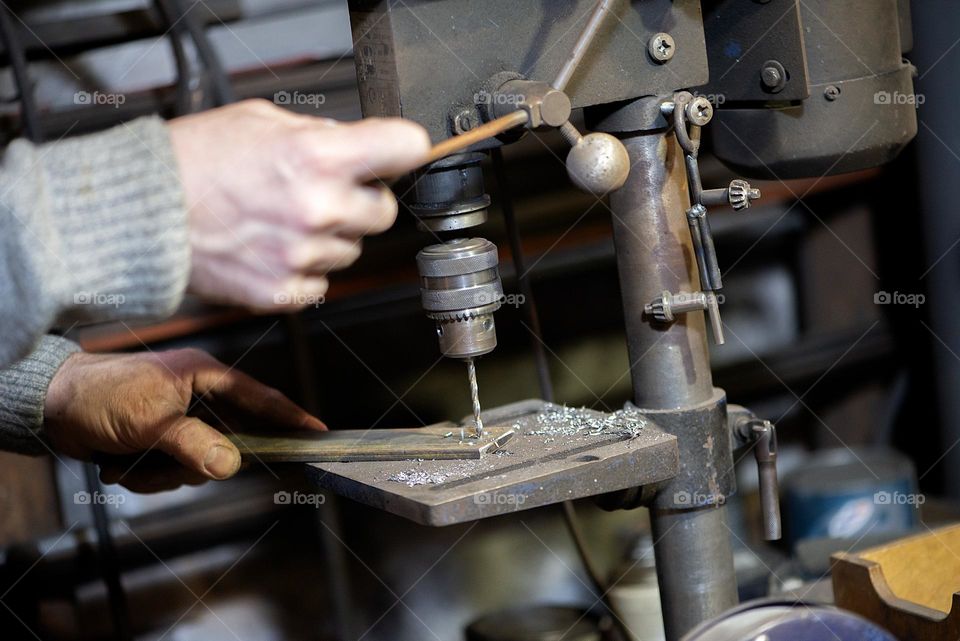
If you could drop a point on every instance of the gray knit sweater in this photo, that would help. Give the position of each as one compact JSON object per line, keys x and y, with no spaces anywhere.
{"x":92,"y":228}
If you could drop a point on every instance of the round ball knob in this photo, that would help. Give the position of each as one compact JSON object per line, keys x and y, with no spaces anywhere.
{"x":599,"y":164}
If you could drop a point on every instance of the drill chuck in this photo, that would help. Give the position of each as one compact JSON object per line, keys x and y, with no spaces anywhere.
{"x":460,"y":289}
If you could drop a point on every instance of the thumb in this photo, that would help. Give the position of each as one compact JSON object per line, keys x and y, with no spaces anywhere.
{"x":200,"y":448}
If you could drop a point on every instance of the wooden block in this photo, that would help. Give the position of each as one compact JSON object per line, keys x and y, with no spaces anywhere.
{"x":911,"y":587}
{"x":434,"y":442}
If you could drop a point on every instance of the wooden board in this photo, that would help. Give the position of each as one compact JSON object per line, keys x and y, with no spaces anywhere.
{"x":911,"y":587}
{"x":435,"y":442}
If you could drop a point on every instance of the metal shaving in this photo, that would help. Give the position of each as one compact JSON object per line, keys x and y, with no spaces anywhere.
{"x":412,"y":478}
{"x":555,"y":422}
{"x":559,"y":421}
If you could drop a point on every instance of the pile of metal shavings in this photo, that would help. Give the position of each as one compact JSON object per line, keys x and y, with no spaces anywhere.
{"x":413,"y":478}
{"x":561,"y":421}
{"x":453,"y":470}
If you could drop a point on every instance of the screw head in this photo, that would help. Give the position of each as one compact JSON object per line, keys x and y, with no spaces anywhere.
{"x":662,"y":47}
{"x":831,"y":93}
{"x":699,"y":111}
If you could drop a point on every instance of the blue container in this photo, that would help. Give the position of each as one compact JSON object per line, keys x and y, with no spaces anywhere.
{"x":846,"y":494}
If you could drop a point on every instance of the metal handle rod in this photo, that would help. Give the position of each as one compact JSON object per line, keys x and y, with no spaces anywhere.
{"x":483,"y":132}
{"x":583,"y":45}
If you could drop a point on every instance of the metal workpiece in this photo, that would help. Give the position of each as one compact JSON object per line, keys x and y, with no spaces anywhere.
{"x":449,"y":195}
{"x":694,"y":566}
{"x":543,"y":464}
{"x":460,"y":289}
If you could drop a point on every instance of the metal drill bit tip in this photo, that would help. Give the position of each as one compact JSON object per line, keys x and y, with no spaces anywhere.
{"x":475,"y":396}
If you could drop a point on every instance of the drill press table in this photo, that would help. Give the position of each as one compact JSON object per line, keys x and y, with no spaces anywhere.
{"x":547,"y":461}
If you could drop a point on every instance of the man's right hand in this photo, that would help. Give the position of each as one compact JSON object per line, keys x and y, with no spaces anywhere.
{"x":277,"y":200}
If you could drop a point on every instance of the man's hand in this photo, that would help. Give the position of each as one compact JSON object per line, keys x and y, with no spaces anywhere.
{"x":131,"y":403}
{"x":277,"y":200}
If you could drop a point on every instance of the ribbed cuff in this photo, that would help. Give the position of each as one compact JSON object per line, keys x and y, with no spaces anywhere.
{"x":119,"y":207}
{"x":23,"y":391}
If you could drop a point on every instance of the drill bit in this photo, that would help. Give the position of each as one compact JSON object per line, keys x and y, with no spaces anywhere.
{"x":475,"y":396}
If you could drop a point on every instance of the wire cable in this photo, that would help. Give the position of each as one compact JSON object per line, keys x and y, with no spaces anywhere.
{"x":220,"y":86}
{"x":29,"y":113}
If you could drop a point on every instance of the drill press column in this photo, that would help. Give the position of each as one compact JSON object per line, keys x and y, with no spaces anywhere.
{"x":670,"y":368}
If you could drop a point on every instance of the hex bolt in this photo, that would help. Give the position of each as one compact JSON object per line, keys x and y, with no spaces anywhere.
{"x":773,"y":76}
{"x":831,"y":93}
{"x":464,"y":121}
{"x":662,"y":47}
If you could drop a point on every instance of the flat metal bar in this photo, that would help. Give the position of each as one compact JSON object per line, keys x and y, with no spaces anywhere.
{"x":436,"y":442}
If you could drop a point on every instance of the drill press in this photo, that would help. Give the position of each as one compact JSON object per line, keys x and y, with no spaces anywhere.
{"x":635,"y":67}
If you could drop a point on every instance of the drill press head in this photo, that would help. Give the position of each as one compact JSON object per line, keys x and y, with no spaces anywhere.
{"x":460,"y":289}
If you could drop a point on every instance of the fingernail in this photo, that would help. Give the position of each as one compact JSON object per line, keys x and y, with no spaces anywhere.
{"x":221,"y":462}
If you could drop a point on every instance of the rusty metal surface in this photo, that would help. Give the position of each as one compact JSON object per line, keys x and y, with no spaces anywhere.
{"x":535,"y":468}
{"x":468,"y":44}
